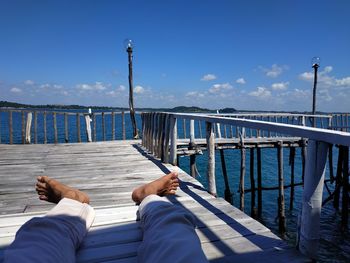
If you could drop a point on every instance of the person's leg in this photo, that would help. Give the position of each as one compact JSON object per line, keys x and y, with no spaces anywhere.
{"x":55,"y":237}
{"x":168,"y":231}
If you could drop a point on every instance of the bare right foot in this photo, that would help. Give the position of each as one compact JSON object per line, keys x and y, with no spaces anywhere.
{"x":53,"y":191}
{"x":165,"y":185}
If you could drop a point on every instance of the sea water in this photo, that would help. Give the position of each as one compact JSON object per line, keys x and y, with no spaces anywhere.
{"x":334,"y":242}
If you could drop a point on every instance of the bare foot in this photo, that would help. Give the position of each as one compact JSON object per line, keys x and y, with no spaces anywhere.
{"x":53,"y":191}
{"x":165,"y":185}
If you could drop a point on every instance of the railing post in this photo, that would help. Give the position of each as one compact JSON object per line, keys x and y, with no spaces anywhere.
{"x":173,"y":146}
{"x":94,"y":127}
{"x":10,"y":127}
{"x":210,"y":136}
{"x":165,"y":158}
{"x":45,"y":129}
{"x":281,"y":206}
{"x":123,"y":126}
{"x":78,"y":127}
{"x":308,"y":231}
{"x":113,"y":126}
{"x":35,"y":127}
{"x":28,"y":127}
{"x":191,"y":147}
{"x":23,"y":127}
{"x":55,"y":127}
{"x":66,"y":127}
{"x":88,"y":127}
{"x":103,"y":126}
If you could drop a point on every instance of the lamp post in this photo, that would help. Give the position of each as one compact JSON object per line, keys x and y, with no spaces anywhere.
{"x":129,"y":46}
{"x":315,"y":65}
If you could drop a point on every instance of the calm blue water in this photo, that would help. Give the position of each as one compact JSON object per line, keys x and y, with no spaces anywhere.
{"x":334,"y":243}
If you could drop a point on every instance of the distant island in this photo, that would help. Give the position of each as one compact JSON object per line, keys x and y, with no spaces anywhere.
{"x":7,"y":104}
{"x":180,"y":109}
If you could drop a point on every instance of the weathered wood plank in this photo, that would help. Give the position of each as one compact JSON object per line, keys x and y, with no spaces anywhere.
{"x":108,"y":172}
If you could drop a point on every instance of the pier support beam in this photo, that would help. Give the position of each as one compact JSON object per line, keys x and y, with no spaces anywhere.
{"x":308,"y":236}
{"x":211,"y":158}
{"x":173,"y":145}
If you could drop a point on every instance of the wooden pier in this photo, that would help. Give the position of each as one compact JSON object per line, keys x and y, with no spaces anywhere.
{"x":108,"y":171}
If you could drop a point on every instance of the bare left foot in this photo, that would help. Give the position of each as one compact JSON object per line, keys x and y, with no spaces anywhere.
{"x":53,"y":191}
{"x":165,"y":185}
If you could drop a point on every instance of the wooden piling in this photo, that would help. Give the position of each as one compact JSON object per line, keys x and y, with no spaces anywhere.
{"x":55,"y":127}
{"x":281,"y":211}
{"x":191,"y":147}
{"x":123,"y":126}
{"x":184,"y":128}
{"x":258,"y":156}
{"x":252,"y":184}
{"x":113,"y":126}
{"x":291,"y":163}
{"x":210,"y":137}
{"x":45,"y":128}
{"x":28,"y":128}
{"x":88,"y":127}
{"x":10,"y":127}
{"x":242,"y":174}
{"x":309,"y":227}
{"x":345,"y":183}
{"x":23,"y":128}
{"x":78,"y":127}
{"x":330,"y":162}
{"x":103,"y":126}
{"x":338,"y":179}
{"x":228,"y":195}
{"x":66,"y":138}
{"x":94,"y":127}
{"x":173,"y":146}
{"x":35,"y":127}
{"x":165,"y":159}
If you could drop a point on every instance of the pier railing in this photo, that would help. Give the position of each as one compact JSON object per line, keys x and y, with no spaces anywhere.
{"x":44,"y":126}
{"x":160,"y":137}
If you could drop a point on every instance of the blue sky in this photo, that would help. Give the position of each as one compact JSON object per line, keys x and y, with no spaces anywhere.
{"x":253,"y":55}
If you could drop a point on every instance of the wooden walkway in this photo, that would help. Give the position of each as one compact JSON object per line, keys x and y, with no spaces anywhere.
{"x":108,"y":171}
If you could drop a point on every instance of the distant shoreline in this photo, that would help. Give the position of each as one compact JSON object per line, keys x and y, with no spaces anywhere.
{"x":192,"y":109}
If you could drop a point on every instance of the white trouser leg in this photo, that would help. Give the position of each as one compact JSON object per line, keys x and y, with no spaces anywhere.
{"x":54,"y":237}
{"x":168,"y":233}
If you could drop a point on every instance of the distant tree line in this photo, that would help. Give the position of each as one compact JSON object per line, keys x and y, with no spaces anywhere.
{"x":7,"y":104}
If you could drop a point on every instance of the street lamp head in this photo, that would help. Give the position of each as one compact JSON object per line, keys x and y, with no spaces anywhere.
{"x":128,"y":44}
{"x":315,"y":62}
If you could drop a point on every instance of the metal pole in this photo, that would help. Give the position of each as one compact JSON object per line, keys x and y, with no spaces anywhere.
{"x":131,"y":95}
{"x":315,"y":67}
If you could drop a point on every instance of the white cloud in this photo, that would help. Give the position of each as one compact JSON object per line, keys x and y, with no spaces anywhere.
{"x":208,"y":77}
{"x":328,"y":69}
{"x":307,"y":76}
{"x":15,"y":90}
{"x":280,"y":86}
{"x":98,"y":86}
{"x":29,"y":82}
{"x":195,"y":94}
{"x":325,"y":80}
{"x":274,"y":71}
{"x":121,"y":88}
{"x":240,"y":81}
{"x":216,"y":88}
{"x":45,"y":86}
{"x":345,"y":82}
{"x":261,"y":92}
{"x":139,"y":90}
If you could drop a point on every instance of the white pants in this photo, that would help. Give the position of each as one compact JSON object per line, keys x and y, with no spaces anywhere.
{"x":168,"y":234}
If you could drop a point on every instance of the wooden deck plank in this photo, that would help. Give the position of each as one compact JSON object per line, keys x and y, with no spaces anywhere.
{"x":108,"y":171}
